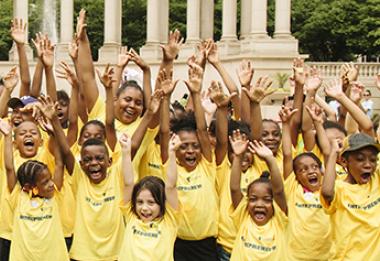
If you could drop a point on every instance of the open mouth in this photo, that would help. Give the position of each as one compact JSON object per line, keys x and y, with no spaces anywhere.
{"x":60,"y":115}
{"x":146,"y":215}
{"x":259,"y":215}
{"x":313,"y":180}
{"x":365,"y":177}
{"x":95,"y":173}
{"x":29,"y":143}
{"x":129,"y":112}
{"x":191,"y":160}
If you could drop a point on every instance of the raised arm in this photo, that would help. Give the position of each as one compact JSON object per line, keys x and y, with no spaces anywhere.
{"x":147,"y":88}
{"x":277,"y":185}
{"x":213,"y":58}
{"x":35,"y":90}
{"x":194,"y":84}
{"x":239,"y":144}
{"x":170,"y":50}
{"x":65,"y":72}
{"x":126,"y":167}
{"x":245,"y":75}
{"x":6,"y":130}
{"x":123,"y":60}
{"x":172,"y":173}
{"x":286,"y":115}
{"x":330,"y":113}
{"x":10,"y":81}
{"x":47,"y":59}
{"x":256,"y":94}
{"x":221,"y":100}
{"x":356,"y":95}
{"x":18,"y":34}
{"x":58,"y":167}
{"x":334,"y":89}
{"x":327,"y":190}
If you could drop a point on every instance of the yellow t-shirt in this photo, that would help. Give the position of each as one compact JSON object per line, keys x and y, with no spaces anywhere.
{"x":99,"y":226}
{"x":226,"y":229}
{"x":149,"y":241}
{"x":37,"y":231}
{"x":151,"y":162}
{"x":197,"y":194}
{"x":355,"y":218}
{"x":341,"y":173}
{"x":6,"y":220}
{"x":98,"y":112}
{"x":255,"y":242}
{"x":309,"y":231}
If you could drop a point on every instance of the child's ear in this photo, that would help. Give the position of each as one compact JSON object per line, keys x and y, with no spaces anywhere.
{"x":41,"y":142}
{"x":109,"y":161}
{"x":27,"y":187}
{"x":343,"y":161}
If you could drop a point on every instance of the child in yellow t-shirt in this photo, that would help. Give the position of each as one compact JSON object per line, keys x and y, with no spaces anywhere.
{"x":261,"y":223}
{"x":353,"y":203}
{"x":37,"y":231}
{"x":309,"y":231}
{"x":150,"y":209}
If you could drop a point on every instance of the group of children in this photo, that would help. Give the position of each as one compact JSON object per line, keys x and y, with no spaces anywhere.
{"x":133,"y":177}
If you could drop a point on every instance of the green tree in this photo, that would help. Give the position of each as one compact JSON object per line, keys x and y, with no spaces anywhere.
{"x":5,"y":18}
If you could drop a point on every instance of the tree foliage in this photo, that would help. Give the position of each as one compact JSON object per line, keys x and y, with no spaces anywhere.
{"x":328,"y":30}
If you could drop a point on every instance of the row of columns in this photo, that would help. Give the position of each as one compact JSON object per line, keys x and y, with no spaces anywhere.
{"x":200,"y":23}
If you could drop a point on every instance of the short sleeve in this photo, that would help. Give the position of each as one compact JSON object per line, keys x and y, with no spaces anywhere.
{"x":75,"y":177}
{"x":126,"y":210}
{"x":13,"y":197}
{"x":98,"y":111}
{"x":280,"y":217}
{"x":290,"y":184}
{"x":239,"y":214}
{"x":330,"y":208}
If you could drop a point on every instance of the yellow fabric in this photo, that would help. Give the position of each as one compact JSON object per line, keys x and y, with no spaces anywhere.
{"x":98,"y":112}
{"x":255,"y":242}
{"x":197,"y":194}
{"x":226,"y":229}
{"x":149,"y":241}
{"x":151,"y":163}
{"x":341,"y":173}
{"x":309,"y":230}
{"x":355,"y":217}
{"x":37,"y":231}
{"x":6,"y":221}
{"x":99,"y":227}
{"x":279,"y":160}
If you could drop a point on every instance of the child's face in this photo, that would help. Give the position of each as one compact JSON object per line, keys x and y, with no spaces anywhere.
{"x":92,"y":131}
{"x":361,"y":164}
{"x":271,"y":136}
{"x":335,"y":134}
{"x":260,"y":203}
{"x":246,"y":161}
{"x":129,"y":105}
{"x":45,"y":184}
{"x":308,"y":173}
{"x":62,"y":111}
{"x":18,"y":116}
{"x":27,"y":139}
{"x":146,"y":207}
{"x":189,"y":152}
{"x":95,"y":162}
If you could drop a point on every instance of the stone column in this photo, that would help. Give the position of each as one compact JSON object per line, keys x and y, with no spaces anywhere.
{"x":245,"y":19}
{"x":282,"y":23}
{"x":66,"y":29}
{"x":112,"y":31}
{"x":20,"y":10}
{"x":259,"y":19}
{"x":207,"y":19}
{"x":193,"y":21}
{"x":228,"y":44}
{"x":164,"y":20}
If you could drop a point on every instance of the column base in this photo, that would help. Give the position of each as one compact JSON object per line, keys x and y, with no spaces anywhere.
{"x":62,"y":52}
{"x":283,"y":36}
{"x":228,"y":47}
{"x":13,"y":55}
{"x":188,"y":49}
{"x":151,"y":51}
{"x":269,"y":46}
{"x":109,"y":53}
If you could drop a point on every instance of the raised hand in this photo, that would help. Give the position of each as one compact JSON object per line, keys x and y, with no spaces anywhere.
{"x":45,"y":125}
{"x":212,"y":53}
{"x":352,"y":71}
{"x":47,"y":49}
{"x":47,"y":107}
{"x":202,"y":52}
{"x":18,"y":31}
{"x":356,"y":91}
{"x":124,"y":57}
{"x":299,"y":71}
{"x":334,"y":89}
{"x":245,"y":73}
{"x":194,"y":84}
{"x":209,"y":106}
{"x":286,"y":114}
{"x":239,"y":142}
{"x":73,"y":48}
{"x":260,"y":90}
{"x":336,"y":146}
{"x":38,"y":43}
{"x":136,"y":58}
{"x":155,"y":101}
{"x":313,"y":82}
{"x":65,"y":72}
{"x":81,"y":24}
{"x":260,"y":149}
{"x":107,"y":77}
{"x":315,"y":112}
{"x":125,"y":143}
{"x":166,"y":83}
{"x":5,"y":127}
{"x":10,"y":80}
{"x":171,"y":49}
{"x":174,"y":143}
{"x":218,"y":96}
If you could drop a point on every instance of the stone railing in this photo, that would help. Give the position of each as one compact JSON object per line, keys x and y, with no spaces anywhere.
{"x":332,"y":69}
